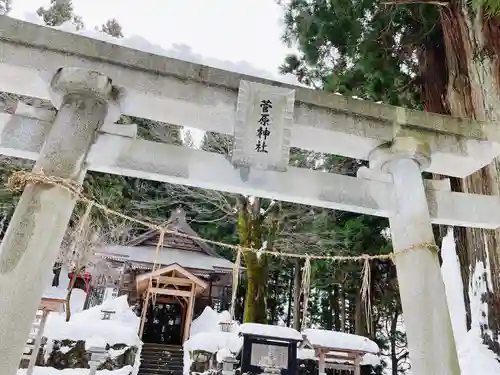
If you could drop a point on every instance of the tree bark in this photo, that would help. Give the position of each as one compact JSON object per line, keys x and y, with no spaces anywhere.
{"x":472,"y":42}
{"x":335,"y":307}
{"x":297,"y":300}
{"x":255,"y":303}
{"x":290,"y":297}
{"x":252,"y":232}
{"x":342,"y":309}
{"x":392,"y":339}
{"x":360,"y":317}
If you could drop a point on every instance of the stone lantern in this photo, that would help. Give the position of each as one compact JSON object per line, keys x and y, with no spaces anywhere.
{"x":97,"y":355}
{"x":226,"y":326}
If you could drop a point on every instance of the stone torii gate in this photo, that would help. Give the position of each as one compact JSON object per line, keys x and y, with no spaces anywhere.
{"x":92,"y":82}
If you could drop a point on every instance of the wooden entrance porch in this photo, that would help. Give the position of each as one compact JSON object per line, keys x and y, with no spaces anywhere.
{"x":168,"y":296}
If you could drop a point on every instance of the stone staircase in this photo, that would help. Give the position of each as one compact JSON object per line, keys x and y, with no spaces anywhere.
{"x":161,"y":360}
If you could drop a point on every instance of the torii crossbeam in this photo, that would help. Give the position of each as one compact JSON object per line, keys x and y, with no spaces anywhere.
{"x":92,"y":82}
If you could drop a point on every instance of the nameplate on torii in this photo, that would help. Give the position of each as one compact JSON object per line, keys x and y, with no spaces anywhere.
{"x":262,"y":131}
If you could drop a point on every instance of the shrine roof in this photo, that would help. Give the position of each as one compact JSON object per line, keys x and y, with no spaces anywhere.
{"x":189,"y":253}
{"x":167,"y":256}
{"x":186,"y":240}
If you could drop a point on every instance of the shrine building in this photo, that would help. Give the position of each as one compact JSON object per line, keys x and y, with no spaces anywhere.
{"x":189,"y":275}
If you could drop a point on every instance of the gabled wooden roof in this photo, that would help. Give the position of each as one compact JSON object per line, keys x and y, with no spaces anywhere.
{"x":176,"y":222}
{"x":175,"y":269}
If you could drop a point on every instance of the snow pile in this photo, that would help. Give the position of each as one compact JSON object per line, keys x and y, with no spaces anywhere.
{"x":370,"y":359}
{"x":450,"y":270}
{"x":206,"y":335}
{"x":475,"y":358}
{"x":340,"y":340}
{"x":224,"y":353}
{"x":86,"y":325}
{"x":212,"y":342}
{"x":80,"y":371}
{"x":208,"y":321}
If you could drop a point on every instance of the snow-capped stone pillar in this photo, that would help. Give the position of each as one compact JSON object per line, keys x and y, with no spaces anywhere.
{"x":427,"y":321}
{"x":37,"y":227}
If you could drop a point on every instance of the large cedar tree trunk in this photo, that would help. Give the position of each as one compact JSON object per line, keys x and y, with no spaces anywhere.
{"x":471,"y":89}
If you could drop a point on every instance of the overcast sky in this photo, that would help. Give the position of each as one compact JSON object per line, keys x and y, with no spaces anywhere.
{"x":234,"y":30}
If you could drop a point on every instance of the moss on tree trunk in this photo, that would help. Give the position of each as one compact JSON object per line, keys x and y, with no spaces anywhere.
{"x":255,"y":230}
{"x":255,"y":303}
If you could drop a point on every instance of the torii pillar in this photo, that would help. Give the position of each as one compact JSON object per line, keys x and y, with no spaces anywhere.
{"x":36,"y":230}
{"x":423,"y":297}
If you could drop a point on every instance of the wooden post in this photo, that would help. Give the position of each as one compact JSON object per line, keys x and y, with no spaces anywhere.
{"x":321,"y":362}
{"x":189,"y":313}
{"x":183,"y":319}
{"x":145,"y":307}
{"x":210,"y":291}
{"x":357,"y":365}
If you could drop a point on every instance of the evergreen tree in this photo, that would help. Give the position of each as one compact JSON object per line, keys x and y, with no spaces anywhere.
{"x":437,"y":57}
{"x":5,"y":7}
{"x":113,"y":28}
{"x":59,"y":12}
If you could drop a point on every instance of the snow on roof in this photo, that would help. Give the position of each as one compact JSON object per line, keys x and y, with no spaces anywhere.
{"x":270,"y":331}
{"x":340,"y":340}
{"x":166,"y":256}
{"x":87,"y":325}
{"x":55,"y":293}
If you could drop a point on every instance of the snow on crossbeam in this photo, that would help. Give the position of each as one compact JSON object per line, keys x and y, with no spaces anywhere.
{"x":270,"y":331}
{"x":187,"y":94}
{"x":319,"y":338}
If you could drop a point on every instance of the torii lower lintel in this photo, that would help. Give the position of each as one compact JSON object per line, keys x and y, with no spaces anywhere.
{"x":117,"y":151}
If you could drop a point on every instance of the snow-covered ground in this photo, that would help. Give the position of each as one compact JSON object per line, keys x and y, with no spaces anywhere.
{"x":80,"y":371}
